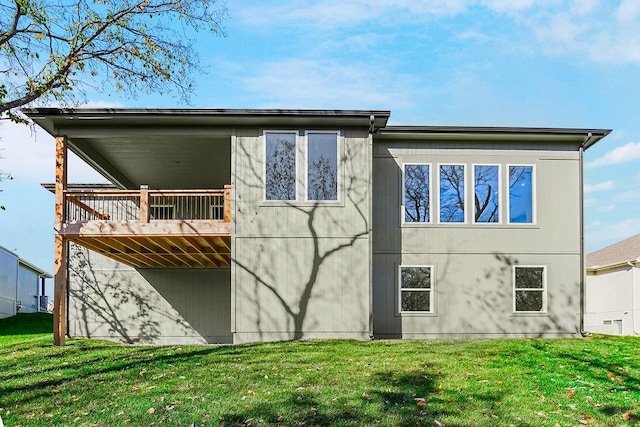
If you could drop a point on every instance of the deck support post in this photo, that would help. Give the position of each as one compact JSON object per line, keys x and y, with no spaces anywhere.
{"x":144,"y":204}
{"x":227,"y":203}
{"x":60,"y":260}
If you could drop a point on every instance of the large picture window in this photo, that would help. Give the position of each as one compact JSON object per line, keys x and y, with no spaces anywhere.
{"x":452,"y":193}
{"x":322,"y":166}
{"x":415,"y":287}
{"x":280,"y":166}
{"x":416,"y":193}
{"x":486,"y":193}
{"x":529,"y":294}
{"x":521,"y":194}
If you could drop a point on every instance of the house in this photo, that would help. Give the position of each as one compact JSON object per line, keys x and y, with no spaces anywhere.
{"x":612,"y":294}
{"x":232,"y":226}
{"x":21,"y":285}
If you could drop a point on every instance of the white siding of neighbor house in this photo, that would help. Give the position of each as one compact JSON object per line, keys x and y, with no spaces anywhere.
{"x":301,"y":270}
{"x":609,"y":297}
{"x":109,"y":300}
{"x":473,"y":263}
{"x":8,"y":283}
{"x":28,"y":289}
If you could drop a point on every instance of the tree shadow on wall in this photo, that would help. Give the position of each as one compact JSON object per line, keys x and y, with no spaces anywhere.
{"x":309,"y":269}
{"x":497,"y":302}
{"x":107,"y":298}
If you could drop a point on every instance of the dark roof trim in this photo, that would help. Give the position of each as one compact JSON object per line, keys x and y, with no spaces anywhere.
{"x":50,"y":118}
{"x":80,"y":187}
{"x":431,"y":132}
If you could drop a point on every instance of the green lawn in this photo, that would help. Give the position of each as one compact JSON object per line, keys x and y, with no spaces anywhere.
{"x":566,"y":382}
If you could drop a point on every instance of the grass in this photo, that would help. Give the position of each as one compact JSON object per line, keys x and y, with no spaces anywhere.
{"x":564,"y":382}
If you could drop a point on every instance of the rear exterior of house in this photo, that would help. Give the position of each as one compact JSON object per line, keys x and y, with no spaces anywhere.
{"x":21,"y":285}
{"x":232,"y":226}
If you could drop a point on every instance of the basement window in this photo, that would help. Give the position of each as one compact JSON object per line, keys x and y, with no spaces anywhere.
{"x":530,"y":289}
{"x":415,"y":289}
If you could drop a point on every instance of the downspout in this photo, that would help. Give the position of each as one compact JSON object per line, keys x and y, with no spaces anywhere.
{"x":372,"y":119}
{"x":634,"y":303}
{"x":583,"y":271}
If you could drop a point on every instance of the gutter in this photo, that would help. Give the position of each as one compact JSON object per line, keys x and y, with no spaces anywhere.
{"x":372,"y":130}
{"x":583,"y":271}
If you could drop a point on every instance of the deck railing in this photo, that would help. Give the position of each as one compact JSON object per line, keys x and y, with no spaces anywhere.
{"x":148,"y":205}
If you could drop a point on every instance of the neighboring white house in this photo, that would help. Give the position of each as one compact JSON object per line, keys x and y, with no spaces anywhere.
{"x":21,"y":285}
{"x":612,"y":295}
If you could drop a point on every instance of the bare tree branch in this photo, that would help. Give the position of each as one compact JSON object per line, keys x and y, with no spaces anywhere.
{"x":51,"y":50}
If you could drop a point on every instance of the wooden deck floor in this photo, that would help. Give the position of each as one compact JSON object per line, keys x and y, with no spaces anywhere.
{"x":157,"y":244}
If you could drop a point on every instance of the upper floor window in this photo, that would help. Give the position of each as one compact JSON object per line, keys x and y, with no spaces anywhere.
{"x":486,"y":193}
{"x":452,"y":198}
{"x":322,"y":166}
{"x":416,"y":193}
{"x":521,"y":194}
{"x":280,"y":166}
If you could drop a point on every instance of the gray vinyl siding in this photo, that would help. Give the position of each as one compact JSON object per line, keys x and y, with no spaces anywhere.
{"x":110,"y":300}
{"x":473,"y":263}
{"x":301,"y":269}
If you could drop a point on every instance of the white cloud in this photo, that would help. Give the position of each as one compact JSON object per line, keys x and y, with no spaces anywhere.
{"x":603,"y":32}
{"x":606,"y":185}
{"x":29,"y":156}
{"x":628,"y":12}
{"x":608,"y":208}
{"x":600,"y":235}
{"x":509,"y":6}
{"x":629,"y":196}
{"x":338,"y":13}
{"x":300,"y":83}
{"x":622,"y":154}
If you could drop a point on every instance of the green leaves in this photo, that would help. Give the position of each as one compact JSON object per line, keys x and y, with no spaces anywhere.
{"x":52,"y":50}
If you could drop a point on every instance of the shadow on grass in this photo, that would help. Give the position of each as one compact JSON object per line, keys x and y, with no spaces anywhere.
{"x":393,"y":398}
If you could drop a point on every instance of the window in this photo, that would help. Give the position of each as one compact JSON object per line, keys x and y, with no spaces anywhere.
{"x":452,"y":193}
{"x":416,"y":193}
{"x":322,"y":166}
{"x":486,"y":193}
{"x":280,"y":166}
{"x":529,"y":289}
{"x":617,"y":323}
{"x":415,"y":289}
{"x":521,"y":182}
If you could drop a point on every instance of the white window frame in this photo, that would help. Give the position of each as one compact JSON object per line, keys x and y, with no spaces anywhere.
{"x":473,"y":193}
{"x":305,"y":163}
{"x":402,"y":194}
{"x":298,"y":158}
{"x":543,"y":289}
{"x":466,"y":192}
{"x":534,"y":202}
{"x":400,"y":289}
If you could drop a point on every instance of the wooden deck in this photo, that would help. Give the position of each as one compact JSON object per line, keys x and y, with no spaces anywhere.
{"x":152,"y":229}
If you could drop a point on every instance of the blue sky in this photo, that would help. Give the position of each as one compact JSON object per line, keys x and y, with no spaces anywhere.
{"x":549,"y":63}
